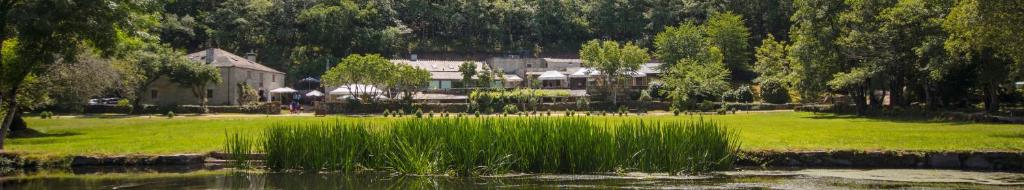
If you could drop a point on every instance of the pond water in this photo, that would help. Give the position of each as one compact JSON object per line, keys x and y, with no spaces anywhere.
{"x":752,"y":179}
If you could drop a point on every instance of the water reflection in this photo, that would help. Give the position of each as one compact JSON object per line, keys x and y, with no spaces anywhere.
{"x":233,"y":179}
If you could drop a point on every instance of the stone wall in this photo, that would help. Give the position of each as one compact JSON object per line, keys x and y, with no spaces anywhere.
{"x":1003,"y":161}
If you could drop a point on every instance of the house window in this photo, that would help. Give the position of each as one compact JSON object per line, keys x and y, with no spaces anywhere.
{"x":209,"y":93}
{"x":153,"y":94}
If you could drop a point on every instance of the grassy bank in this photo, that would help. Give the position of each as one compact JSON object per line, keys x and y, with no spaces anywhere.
{"x":478,"y":146}
{"x":757,"y":131}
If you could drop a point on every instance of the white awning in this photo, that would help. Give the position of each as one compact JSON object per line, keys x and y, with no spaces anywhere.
{"x":552,"y":75}
{"x":513,"y":78}
{"x":584,"y":73}
{"x":284,"y":90}
{"x":315,"y":93}
{"x":356,"y":88}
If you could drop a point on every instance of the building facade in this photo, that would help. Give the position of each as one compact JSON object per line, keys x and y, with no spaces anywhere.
{"x":235,"y":71}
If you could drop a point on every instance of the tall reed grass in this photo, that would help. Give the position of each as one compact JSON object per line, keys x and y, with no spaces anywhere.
{"x":481,"y":146}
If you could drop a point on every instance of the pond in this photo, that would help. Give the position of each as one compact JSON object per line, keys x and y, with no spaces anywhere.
{"x":752,"y":179}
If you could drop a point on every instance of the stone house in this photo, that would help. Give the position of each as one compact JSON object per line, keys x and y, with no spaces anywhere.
{"x":234,"y":71}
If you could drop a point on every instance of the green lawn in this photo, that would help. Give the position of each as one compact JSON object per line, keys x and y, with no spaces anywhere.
{"x":758,"y":131}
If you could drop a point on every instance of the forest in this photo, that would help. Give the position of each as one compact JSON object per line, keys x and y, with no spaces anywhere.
{"x":942,"y":54}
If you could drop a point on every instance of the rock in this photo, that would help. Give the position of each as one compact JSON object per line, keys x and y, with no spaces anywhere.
{"x":944,"y":160}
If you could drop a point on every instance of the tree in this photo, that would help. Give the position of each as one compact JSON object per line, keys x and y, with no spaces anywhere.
{"x":43,"y":31}
{"x":777,"y":74}
{"x":146,"y":64}
{"x":353,"y":70}
{"x":728,"y":32}
{"x":614,"y":62}
{"x":71,"y":85}
{"x":698,"y":78}
{"x":677,"y":43}
{"x":485,"y":79}
{"x":408,"y":79}
{"x":195,"y":76}
{"x":815,"y":28}
{"x":986,"y":31}
{"x":468,"y":70}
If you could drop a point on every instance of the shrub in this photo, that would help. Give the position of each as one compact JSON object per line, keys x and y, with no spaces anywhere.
{"x":549,"y":112}
{"x":707,"y":105}
{"x":675,"y":112}
{"x":126,"y":105}
{"x":742,"y":93}
{"x":45,"y":115}
{"x":387,"y":112}
{"x":170,"y":114}
{"x":401,"y":113}
{"x":419,"y":113}
{"x":510,"y":109}
{"x":477,"y":113}
{"x":774,"y":92}
{"x":431,"y":114}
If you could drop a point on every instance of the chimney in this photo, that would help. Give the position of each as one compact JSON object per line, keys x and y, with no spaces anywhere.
{"x":209,"y":55}
{"x":251,"y":56}
{"x":412,"y":57}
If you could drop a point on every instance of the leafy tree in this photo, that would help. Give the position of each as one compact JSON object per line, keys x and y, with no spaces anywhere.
{"x":195,"y":76}
{"x":774,"y":65}
{"x":614,"y":62}
{"x":44,"y":31}
{"x":728,"y":32}
{"x":353,"y":70}
{"x":986,"y":31}
{"x":814,"y":51}
{"x":485,"y":78}
{"x":698,"y":79}
{"x":677,"y":43}
{"x":468,"y":70}
{"x":408,"y":79}
{"x":146,"y":64}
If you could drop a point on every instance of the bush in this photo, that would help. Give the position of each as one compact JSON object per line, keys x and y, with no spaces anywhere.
{"x":707,"y":106}
{"x":740,"y":94}
{"x":170,"y":114}
{"x":45,"y":115}
{"x":387,"y":112}
{"x":549,"y":112}
{"x":401,"y":113}
{"x":477,"y":113}
{"x":431,"y":114}
{"x":125,"y":105}
{"x":774,"y":92}
{"x":419,"y":113}
{"x":511,"y":109}
{"x":675,"y":112}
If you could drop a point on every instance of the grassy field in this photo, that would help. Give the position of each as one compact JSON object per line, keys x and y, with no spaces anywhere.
{"x":758,"y":131}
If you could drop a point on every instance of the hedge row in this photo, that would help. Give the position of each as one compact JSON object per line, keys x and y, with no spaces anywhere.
{"x":267,"y":108}
{"x":370,"y":108}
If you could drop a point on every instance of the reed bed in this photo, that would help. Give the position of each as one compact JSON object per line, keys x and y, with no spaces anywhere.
{"x":482,"y":146}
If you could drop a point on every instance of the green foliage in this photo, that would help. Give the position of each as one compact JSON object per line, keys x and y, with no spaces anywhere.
{"x":701,"y":78}
{"x":170,"y":115}
{"x":471,"y":147}
{"x":728,"y":32}
{"x":774,"y":64}
{"x":387,"y":112}
{"x":354,"y":69}
{"x":419,"y":113}
{"x":774,"y":92}
{"x":614,"y":61}
{"x":468,"y":70}
{"x":741,"y":94}
{"x":511,"y":109}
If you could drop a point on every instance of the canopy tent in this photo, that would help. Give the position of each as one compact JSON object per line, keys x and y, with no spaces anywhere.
{"x":315,"y":93}
{"x":356,"y":89}
{"x":584,"y":73}
{"x":513,"y":78}
{"x":552,"y":75}
{"x":283,"y":90}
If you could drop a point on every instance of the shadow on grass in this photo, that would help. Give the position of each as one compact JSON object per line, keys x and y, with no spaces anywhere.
{"x":895,"y":119}
{"x":32,"y":133}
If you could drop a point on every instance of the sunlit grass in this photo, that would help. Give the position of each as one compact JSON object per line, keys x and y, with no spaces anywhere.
{"x":758,"y":131}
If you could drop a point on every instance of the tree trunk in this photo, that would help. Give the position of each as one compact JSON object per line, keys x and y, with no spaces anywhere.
{"x":12,"y":108}
{"x":992,"y":96}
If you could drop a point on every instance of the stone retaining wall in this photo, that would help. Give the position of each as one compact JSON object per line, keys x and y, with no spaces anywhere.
{"x":1003,"y":161}
{"x":992,"y":161}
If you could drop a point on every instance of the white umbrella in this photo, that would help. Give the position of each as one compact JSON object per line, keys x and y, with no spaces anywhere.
{"x":283,"y":90}
{"x":315,"y":93}
{"x":356,"y":88}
